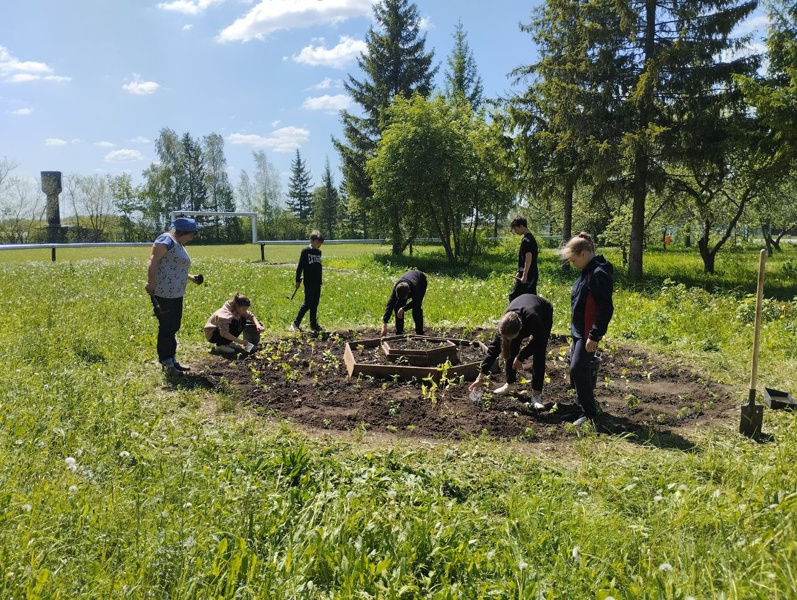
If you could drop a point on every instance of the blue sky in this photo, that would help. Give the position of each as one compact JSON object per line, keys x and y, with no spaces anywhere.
{"x":85,"y":85}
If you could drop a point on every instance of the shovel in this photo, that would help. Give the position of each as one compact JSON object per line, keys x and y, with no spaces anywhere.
{"x":752,"y":413}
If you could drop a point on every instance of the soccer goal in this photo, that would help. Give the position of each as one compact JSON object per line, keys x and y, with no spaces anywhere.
{"x":209,"y":213}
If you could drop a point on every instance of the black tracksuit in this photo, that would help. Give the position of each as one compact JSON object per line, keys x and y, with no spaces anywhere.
{"x":527,"y":244}
{"x":309,"y":271}
{"x":591,"y":309}
{"x":536,"y":316}
{"x":417,"y":282}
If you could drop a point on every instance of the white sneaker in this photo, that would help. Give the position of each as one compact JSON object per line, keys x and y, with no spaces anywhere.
{"x":504,"y":389}
{"x":294,"y":327}
{"x":224,"y":349}
{"x":536,"y":403}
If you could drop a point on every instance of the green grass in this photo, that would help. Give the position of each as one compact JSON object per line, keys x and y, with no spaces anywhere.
{"x":114,"y":483}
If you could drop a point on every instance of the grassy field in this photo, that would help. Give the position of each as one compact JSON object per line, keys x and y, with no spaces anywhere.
{"x":115,"y":483}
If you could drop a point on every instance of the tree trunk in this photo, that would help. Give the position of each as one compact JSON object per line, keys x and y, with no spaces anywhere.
{"x":398,"y":247}
{"x":567,"y":218}
{"x":766,"y":232}
{"x":636,"y":246}
{"x":641,"y":166}
{"x":688,"y":237}
{"x":707,"y":255}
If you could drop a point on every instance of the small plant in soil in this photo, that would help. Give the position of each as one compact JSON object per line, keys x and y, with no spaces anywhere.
{"x":632,"y":401}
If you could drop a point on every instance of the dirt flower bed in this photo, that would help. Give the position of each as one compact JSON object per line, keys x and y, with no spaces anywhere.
{"x":303,"y":379}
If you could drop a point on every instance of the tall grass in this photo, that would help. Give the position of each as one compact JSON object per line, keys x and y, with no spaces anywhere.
{"x":115,"y":483}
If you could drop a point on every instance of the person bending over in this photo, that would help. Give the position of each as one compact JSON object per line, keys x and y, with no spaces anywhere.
{"x":527,"y":316}
{"x":407,"y":294}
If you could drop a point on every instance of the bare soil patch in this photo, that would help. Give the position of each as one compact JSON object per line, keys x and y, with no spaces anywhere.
{"x":302,"y":378}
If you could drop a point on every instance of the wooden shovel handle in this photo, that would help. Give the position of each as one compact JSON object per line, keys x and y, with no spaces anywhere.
{"x":762,"y":260}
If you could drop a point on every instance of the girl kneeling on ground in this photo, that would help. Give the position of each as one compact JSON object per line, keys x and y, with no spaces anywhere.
{"x":528,"y":315}
{"x":226,"y":324}
{"x":591,"y":310}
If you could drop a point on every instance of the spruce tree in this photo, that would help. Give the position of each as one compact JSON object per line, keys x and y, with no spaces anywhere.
{"x":396,"y":63}
{"x":462,"y":76}
{"x":299,"y":190}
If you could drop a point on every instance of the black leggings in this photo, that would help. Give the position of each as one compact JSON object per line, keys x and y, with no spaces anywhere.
{"x":236,"y":327}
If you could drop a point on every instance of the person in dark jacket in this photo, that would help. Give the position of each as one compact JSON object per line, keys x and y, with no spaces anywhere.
{"x":527,"y":272}
{"x":591,"y":310}
{"x":531,"y":316}
{"x":411,"y":286}
{"x":309,"y":271}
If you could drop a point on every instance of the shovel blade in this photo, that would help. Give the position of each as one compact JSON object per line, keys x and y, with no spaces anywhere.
{"x":752,"y":417}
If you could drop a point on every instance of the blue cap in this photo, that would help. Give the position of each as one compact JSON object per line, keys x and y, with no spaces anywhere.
{"x":185,"y":224}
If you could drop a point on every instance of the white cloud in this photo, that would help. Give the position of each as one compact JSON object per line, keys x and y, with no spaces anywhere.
{"x":269,"y":16}
{"x":188,"y":7}
{"x":22,"y":78}
{"x":13,"y":70}
{"x":123,"y":156}
{"x":105,"y":144}
{"x":139,"y":87}
{"x":425,"y":24}
{"x":140,"y":140}
{"x":54,"y":142}
{"x":327,"y":83}
{"x":327,"y":103}
{"x":754,"y":24}
{"x":22,"y":112}
{"x":347,"y":50}
{"x":187,"y":27}
{"x":286,"y":139}
{"x":276,"y":123}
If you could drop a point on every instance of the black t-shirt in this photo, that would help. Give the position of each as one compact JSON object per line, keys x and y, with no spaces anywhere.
{"x":528,"y":244}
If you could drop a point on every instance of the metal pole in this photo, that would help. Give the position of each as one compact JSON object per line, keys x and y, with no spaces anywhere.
{"x":52,"y":255}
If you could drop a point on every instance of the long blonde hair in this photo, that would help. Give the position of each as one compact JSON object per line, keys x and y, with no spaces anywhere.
{"x":508,"y":328}
{"x":583,"y":242}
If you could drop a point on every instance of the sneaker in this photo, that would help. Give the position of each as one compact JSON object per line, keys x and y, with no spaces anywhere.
{"x":507,"y":388}
{"x":582,"y":420}
{"x":224,"y":349}
{"x":536,"y":403}
{"x":294,"y":327}
{"x":316,"y":328}
{"x":180,"y":367}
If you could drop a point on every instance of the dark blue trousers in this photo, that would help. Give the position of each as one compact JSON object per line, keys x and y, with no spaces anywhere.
{"x":168,"y":326}
{"x":581,"y":376}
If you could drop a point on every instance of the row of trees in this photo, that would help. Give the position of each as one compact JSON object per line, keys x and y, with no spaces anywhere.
{"x":636,"y":114}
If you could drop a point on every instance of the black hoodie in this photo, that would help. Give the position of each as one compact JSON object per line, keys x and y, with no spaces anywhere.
{"x":417,"y":282}
{"x":591,"y":304}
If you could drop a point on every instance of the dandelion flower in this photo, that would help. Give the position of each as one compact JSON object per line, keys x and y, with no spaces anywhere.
{"x":71,"y":463}
{"x":391,"y":494}
{"x":124,"y":454}
{"x":187,"y":505}
{"x":134,"y":434}
{"x":658,"y":498}
{"x":18,"y":443}
{"x":26,"y":507}
{"x":72,"y":488}
{"x":522,"y":565}
{"x":576,"y":554}
{"x":665,"y":567}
